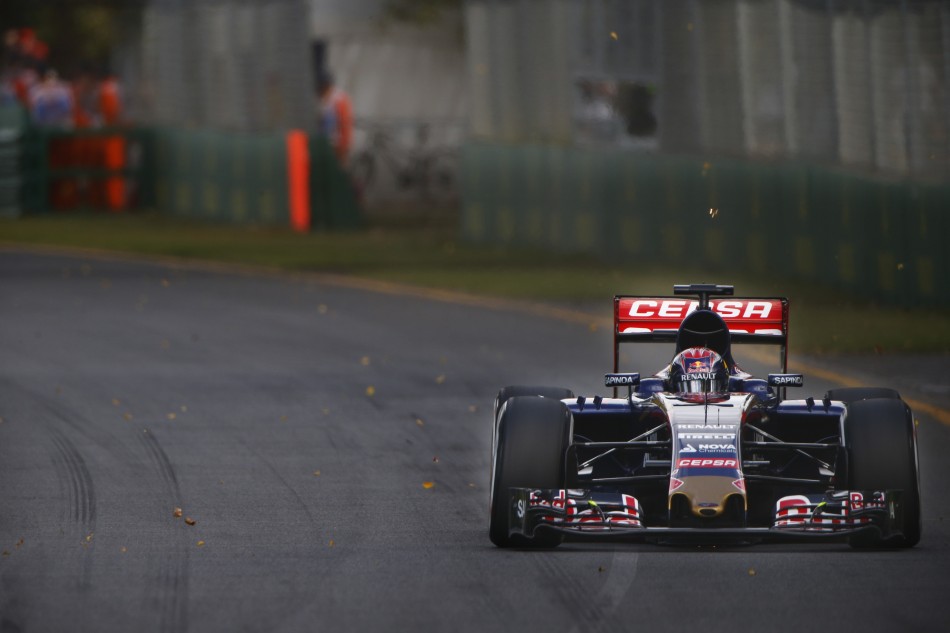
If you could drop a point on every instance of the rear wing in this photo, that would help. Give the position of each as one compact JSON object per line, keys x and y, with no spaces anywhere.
{"x":759,"y":320}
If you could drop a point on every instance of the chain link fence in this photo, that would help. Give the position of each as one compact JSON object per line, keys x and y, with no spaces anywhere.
{"x":859,"y":83}
{"x":237,"y":65}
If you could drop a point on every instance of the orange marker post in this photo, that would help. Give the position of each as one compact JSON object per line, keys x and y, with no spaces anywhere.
{"x":115,"y":161}
{"x":298,"y":180}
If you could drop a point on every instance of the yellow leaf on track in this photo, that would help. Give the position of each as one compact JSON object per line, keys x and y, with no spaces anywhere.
{"x":428,"y":484}
{"x":200,"y":543}
{"x":189,"y":521}
{"x":371,"y":391}
{"x":177,"y":513}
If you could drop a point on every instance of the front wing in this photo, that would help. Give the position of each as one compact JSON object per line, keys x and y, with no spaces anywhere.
{"x":586,"y":514}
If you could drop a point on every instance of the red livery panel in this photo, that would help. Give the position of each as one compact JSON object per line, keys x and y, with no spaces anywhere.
{"x":746,"y":316}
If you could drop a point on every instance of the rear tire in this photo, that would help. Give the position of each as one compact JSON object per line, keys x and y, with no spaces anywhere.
{"x":533,"y":437}
{"x":853,"y":394}
{"x":882,"y":455}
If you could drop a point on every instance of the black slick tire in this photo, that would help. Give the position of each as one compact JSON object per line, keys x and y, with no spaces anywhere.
{"x":882,"y":455}
{"x":532,"y":440}
{"x":555,"y":393}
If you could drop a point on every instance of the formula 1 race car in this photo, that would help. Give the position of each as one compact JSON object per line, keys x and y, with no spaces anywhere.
{"x":702,"y":451}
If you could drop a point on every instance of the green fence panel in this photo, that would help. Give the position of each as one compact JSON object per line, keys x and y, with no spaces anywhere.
{"x":868,"y":236}
{"x":13,"y":123}
{"x":333,"y":198}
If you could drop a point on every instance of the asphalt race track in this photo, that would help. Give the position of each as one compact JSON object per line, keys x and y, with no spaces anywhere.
{"x":330,"y":445}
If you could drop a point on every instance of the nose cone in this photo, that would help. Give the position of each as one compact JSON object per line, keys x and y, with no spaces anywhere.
{"x":708,"y":497}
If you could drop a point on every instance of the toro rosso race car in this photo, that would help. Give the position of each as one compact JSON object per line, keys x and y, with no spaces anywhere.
{"x":702,"y":451}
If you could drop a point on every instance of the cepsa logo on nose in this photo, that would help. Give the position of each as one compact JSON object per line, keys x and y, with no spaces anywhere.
{"x":679,"y":308}
{"x":695,"y":462}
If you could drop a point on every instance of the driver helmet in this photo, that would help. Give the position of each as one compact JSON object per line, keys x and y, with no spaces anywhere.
{"x":699,"y":370}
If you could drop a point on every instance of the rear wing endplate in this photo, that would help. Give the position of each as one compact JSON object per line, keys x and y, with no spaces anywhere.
{"x":757,"y":320}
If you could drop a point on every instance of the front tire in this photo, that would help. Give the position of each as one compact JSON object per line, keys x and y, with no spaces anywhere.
{"x":555,"y":393}
{"x":533,"y":437}
{"x":882,"y":455}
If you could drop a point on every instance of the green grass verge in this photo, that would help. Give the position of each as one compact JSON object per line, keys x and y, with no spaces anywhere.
{"x":823,"y":320}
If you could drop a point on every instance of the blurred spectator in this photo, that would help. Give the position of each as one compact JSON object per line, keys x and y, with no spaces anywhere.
{"x":51,"y":102}
{"x":110,"y":100}
{"x":336,"y":117}
{"x":30,"y":47}
{"x":86,"y":99}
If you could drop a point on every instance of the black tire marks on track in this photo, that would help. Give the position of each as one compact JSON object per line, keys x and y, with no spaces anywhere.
{"x":79,"y":512}
{"x":171,"y":593}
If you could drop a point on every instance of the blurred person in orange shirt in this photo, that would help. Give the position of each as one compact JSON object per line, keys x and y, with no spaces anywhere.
{"x":98,"y":103}
{"x":335,"y":117}
{"x":110,"y":100}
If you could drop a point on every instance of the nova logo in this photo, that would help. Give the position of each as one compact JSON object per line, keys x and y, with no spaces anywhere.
{"x":716,"y":448}
{"x":689,"y":448}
